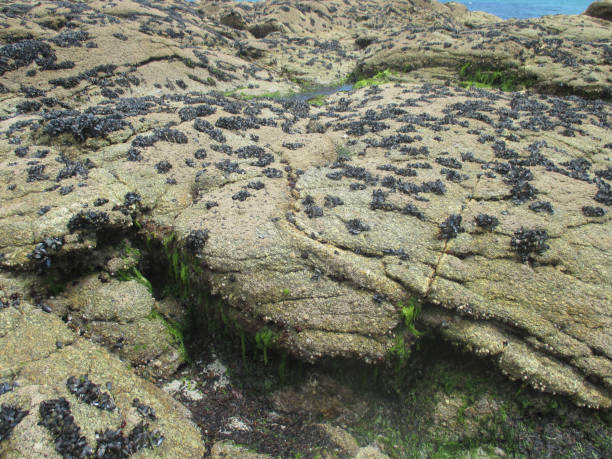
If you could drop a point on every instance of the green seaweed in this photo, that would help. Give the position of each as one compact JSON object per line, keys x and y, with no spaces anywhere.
{"x":207,"y":82}
{"x":378,"y":79}
{"x":134,"y":273}
{"x":54,"y":284}
{"x":399,"y":354}
{"x":264,"y":338}
{"x":318,"y":101}
{"x":270,"y":95}
{"x":282,"y":368}
{"x":504,"y":78}
{"x":175,"y":331}
{"x":343,"y":153}
{"x":410,"y":313}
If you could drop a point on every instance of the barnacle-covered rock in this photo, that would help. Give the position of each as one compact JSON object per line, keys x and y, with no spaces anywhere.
{"x":142,"y":121}
{"x":48,"y":411}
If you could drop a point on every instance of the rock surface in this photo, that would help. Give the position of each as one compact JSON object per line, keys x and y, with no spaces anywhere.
{"x":601,"y":10}
{"x":39,"y":356}
{"x":491,"y":208}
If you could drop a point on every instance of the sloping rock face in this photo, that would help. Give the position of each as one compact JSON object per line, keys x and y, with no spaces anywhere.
{"x":490,"y":208}
{"x":556,"y":54}
{"x":73,"y":398}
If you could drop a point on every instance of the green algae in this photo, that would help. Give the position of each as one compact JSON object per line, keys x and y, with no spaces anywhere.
{"x":376,"y":80}
{"x":504,"y":78}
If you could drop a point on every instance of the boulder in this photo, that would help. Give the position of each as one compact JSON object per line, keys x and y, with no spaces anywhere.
{"x":234,"y":20}
{"x":50,"y":369}
{"x":600,"y":10}
{"x":327,"y":228}
{"x":264,"y":29}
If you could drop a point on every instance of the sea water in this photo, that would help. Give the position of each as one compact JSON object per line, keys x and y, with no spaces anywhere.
{"x":521,"y":9}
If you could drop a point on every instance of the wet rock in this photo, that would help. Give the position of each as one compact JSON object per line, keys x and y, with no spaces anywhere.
{"x":234,"y":20}
{"x":537,"y":148}
{"x":114,"y":301}
{"x":264,"y":29}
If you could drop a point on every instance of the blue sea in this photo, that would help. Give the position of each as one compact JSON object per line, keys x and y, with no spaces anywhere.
{"x":521,"y":9}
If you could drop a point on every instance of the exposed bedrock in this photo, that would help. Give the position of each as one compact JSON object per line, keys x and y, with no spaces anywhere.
{"x":325,"y":221}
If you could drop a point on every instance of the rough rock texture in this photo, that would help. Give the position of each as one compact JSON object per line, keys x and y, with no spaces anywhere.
{"x":558,"y":54}
{"x":491,"y":208}
{"x":39,"y":355}
{"x":121,"y":316}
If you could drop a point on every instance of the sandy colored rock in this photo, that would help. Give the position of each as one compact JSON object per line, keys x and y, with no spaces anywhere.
{"x":41,"y":371}
{"x":323,"y":222}
{"x":227,"y":449}
{"x":370,"y":452}
{"x":115,"y":300}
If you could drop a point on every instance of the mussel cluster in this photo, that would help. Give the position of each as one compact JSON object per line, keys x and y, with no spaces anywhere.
{"x":90,"y":393}
{"x":451,"y":227}
{"x":56,"y":416}
{"x":112,"y":444}
{"x":527,"y":241}
{"x":10,"y":416}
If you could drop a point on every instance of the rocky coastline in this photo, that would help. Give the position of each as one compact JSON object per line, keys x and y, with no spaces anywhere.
{"x":212,"y":212}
